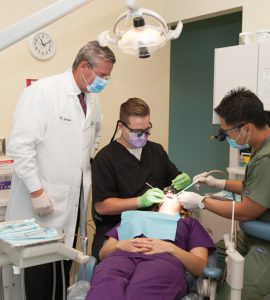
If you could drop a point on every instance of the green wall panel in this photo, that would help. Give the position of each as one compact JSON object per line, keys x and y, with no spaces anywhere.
{"x":191,"y":93}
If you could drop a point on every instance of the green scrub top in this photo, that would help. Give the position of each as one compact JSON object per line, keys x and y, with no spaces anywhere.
{"x":256,"y":183}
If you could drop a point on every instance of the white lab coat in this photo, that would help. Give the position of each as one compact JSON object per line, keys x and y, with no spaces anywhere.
{"x":51,"y":144}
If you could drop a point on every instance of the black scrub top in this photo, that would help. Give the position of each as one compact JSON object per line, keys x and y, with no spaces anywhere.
{"x":118,"y":173}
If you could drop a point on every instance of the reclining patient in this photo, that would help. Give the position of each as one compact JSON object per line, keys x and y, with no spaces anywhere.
{"x":146,"y":256}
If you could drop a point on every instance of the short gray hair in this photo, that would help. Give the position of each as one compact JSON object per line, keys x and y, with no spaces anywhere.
{"x":93,"y":53}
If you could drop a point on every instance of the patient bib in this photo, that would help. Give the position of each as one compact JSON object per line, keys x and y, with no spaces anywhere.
{"x":148,"y":223}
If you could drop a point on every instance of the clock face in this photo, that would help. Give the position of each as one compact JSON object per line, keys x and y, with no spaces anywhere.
{"x":42,"y":45}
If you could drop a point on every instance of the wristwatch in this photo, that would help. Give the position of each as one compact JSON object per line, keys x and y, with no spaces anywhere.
{"x":201,"y":204}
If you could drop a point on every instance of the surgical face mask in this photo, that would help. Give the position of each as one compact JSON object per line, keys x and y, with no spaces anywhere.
{"x":136,"y":140}
{"x":235,"y":145}
{"x":97,"y":85}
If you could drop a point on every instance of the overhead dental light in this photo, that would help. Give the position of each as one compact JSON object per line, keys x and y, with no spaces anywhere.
{"x":141,"y":40}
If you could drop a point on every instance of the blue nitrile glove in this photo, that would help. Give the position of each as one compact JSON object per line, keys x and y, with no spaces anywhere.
{"x":150,"y":197}
{"x":181,"y":181}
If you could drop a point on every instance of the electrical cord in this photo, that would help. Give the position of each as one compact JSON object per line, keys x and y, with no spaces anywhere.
{"x":216,"y":171}
{"x":233,"y":234}
{"x":54,"y":280}
{"x":10,"y":284}
{"x":22,"y":285}
{"x":1,"y":284}
{"x":63,"y":279}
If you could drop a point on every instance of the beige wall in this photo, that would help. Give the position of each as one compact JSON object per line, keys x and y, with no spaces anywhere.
{"x":131,"y":76}
{"x":148,"y":79}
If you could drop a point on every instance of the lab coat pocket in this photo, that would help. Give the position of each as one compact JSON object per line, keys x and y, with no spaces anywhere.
{"x":58,"y":194}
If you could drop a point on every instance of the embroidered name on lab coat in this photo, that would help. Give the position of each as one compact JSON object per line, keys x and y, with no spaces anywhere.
{"x":64,"y":119}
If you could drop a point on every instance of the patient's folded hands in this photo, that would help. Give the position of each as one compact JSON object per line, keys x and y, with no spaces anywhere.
{"x":135,"y":245}
{"x":145,"y":245}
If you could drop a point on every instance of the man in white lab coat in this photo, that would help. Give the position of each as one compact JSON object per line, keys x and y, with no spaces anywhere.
{"x":56,"y":129}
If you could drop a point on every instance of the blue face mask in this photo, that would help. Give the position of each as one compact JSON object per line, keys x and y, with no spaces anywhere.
{"x":233,"y":143}
{"x":97,"y":85}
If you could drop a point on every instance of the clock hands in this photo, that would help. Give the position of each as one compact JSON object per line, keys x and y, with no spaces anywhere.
{"x":40,"y":41}
{"x":47,"y":42}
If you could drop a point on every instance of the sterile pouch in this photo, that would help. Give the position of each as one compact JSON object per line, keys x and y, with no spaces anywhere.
{"x":147,"y":223}
{"x":23,"y":225}
{"x":26,"y":232}
{"x":35,"y":233}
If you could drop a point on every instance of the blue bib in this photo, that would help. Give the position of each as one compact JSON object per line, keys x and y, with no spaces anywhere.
{"x":148,"y":223}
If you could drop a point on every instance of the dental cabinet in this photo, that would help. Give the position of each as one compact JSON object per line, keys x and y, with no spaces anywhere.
{"x":241,"y":66}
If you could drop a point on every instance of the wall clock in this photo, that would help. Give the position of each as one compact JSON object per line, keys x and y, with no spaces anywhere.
{"x":42,"y":45}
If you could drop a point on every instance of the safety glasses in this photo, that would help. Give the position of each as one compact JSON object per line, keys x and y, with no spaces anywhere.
{"x":222,"y":133}
{"x":139,"y":132}
{"x":105,"y":77}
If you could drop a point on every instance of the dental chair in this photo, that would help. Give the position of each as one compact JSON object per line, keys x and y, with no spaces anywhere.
{"x":199,"y":288}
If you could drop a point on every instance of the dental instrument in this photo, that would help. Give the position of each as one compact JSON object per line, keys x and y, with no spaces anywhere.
{"x":149,"y":185}
{"x":189,"y":186}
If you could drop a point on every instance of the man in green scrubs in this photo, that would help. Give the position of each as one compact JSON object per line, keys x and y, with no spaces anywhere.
{"x":244,"y":124}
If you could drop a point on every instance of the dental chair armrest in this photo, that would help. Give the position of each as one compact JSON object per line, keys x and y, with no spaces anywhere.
{"x":211,"y":272}
{"x":258,"y":229}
